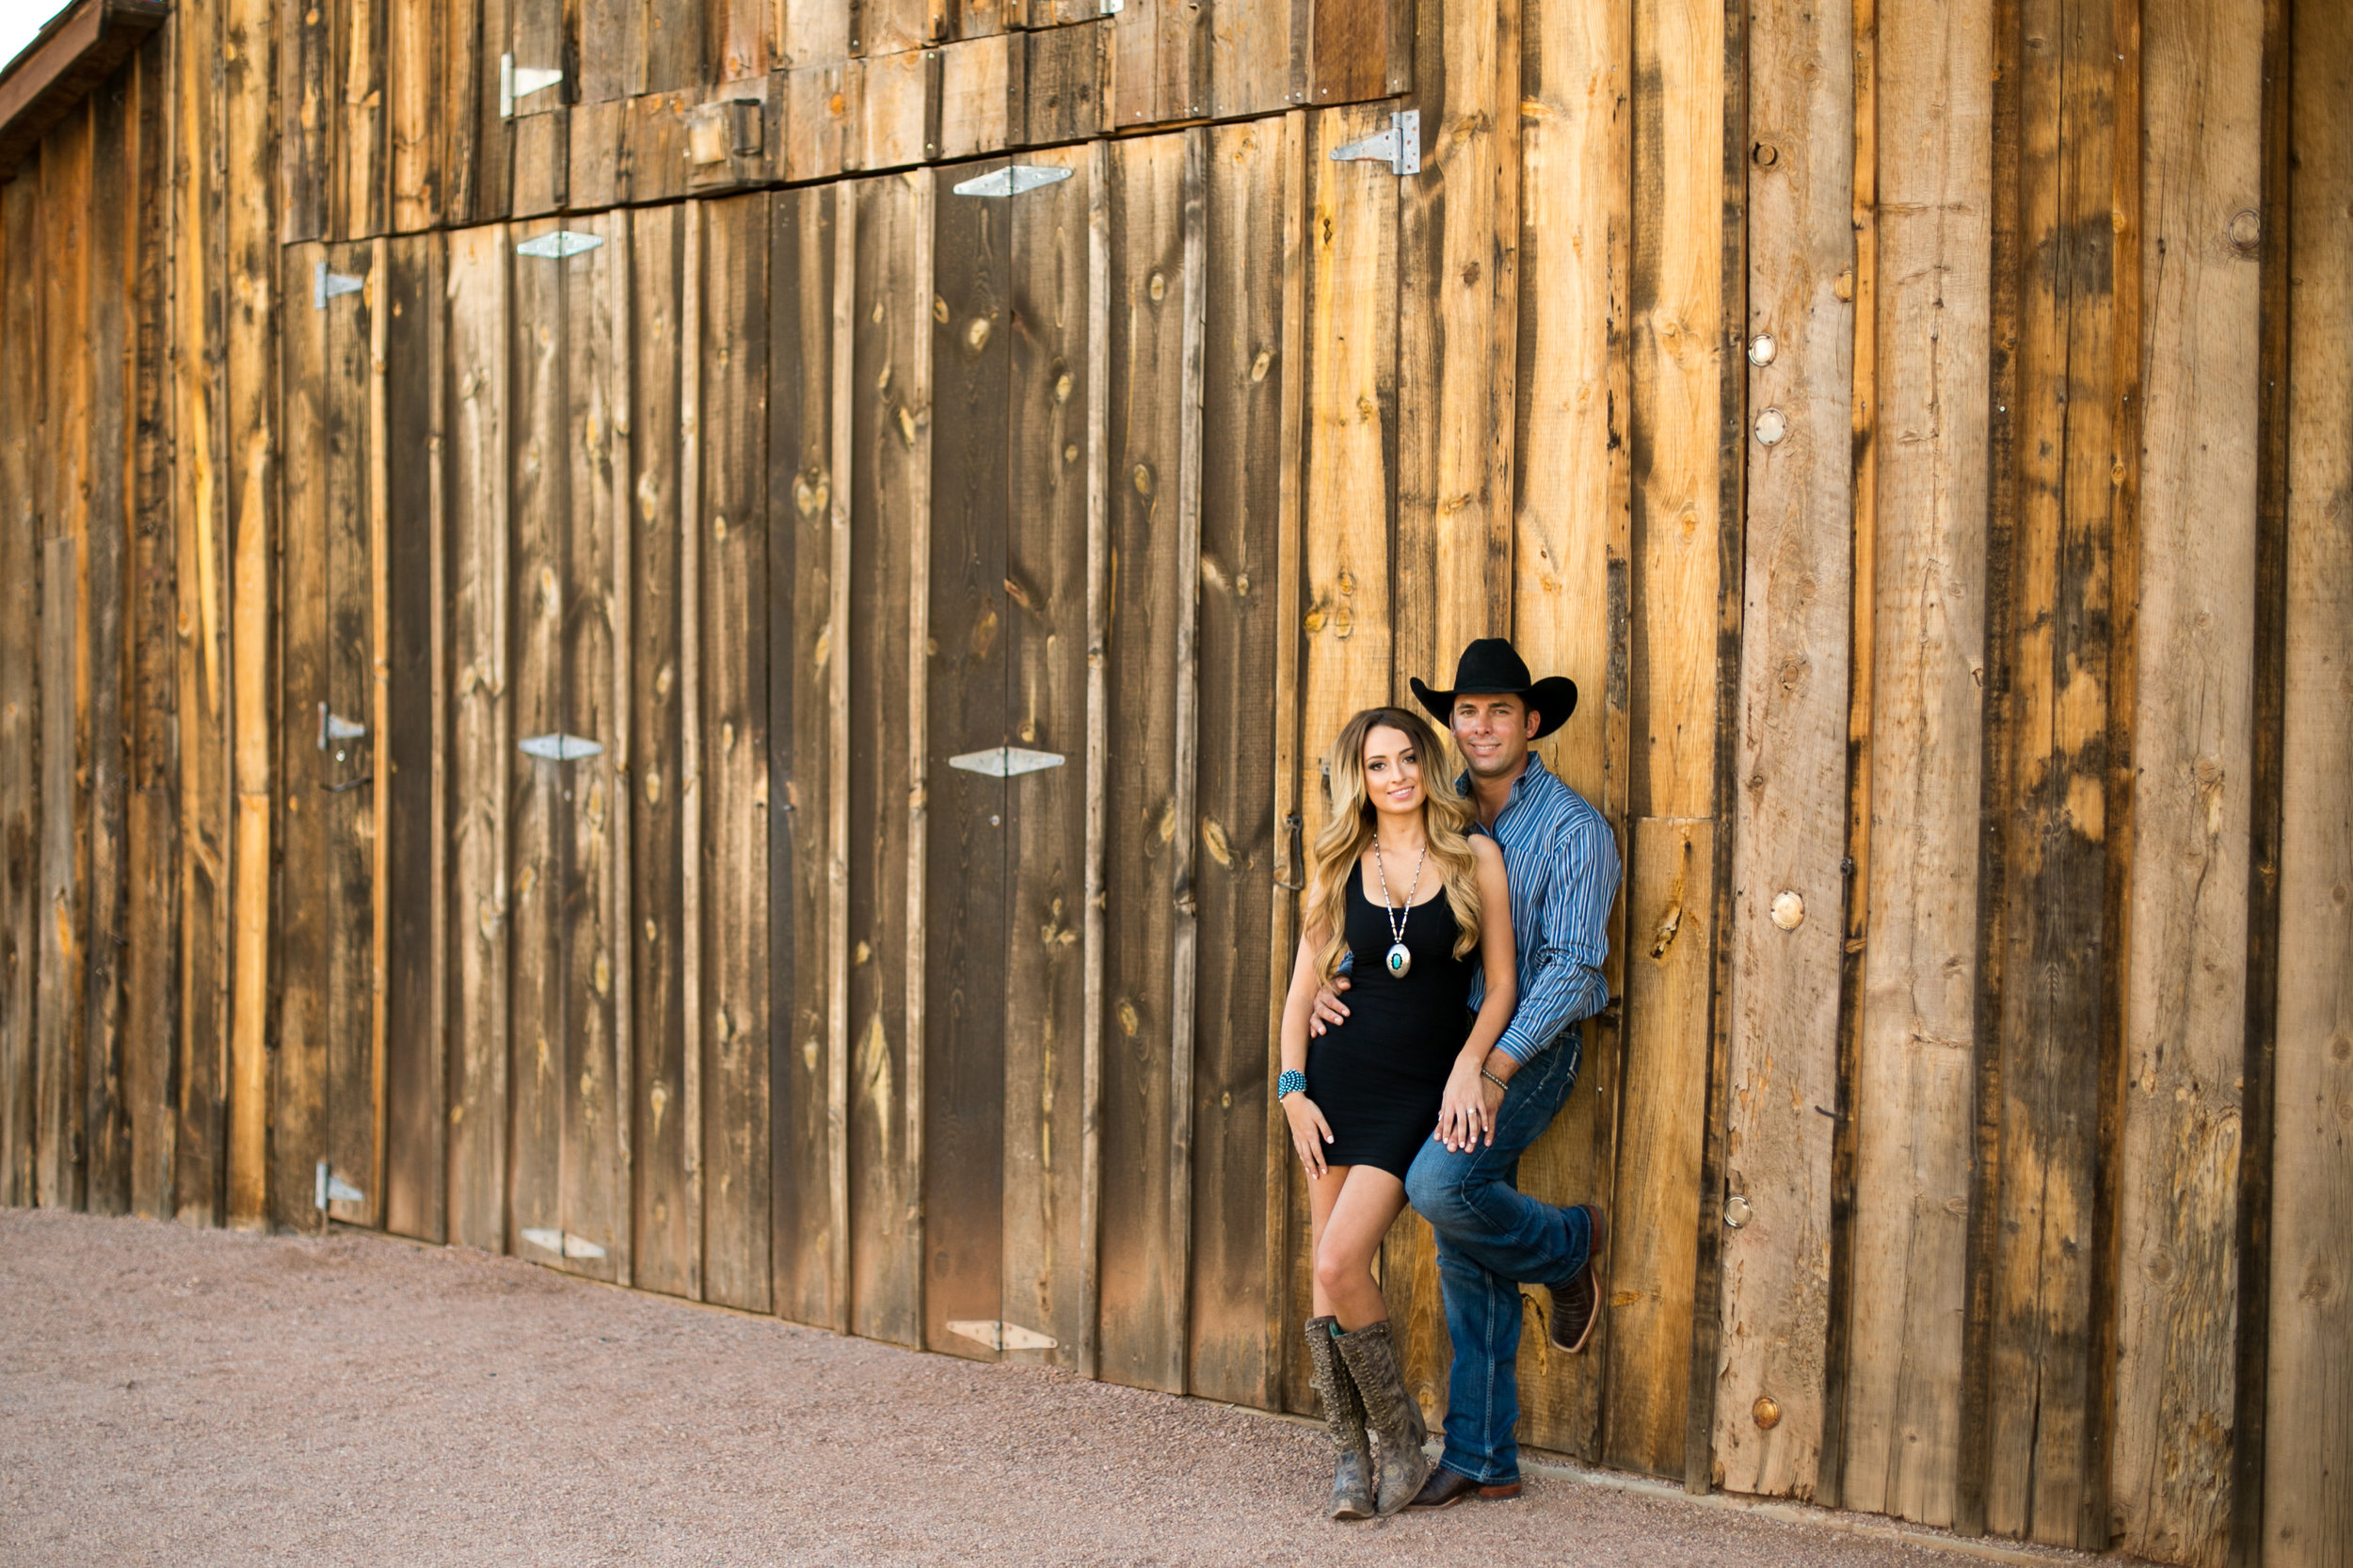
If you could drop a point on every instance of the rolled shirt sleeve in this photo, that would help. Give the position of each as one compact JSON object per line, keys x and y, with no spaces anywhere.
{"x":1561,"y":982}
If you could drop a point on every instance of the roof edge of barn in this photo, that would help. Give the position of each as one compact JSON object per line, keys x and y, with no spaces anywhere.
{"x":74,"y":51}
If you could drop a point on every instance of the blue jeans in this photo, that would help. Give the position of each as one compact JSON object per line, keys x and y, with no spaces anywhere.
{"x":1491,"y":1238}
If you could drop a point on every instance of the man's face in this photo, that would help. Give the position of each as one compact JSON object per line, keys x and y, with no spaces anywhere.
{"x":1493,"y":731}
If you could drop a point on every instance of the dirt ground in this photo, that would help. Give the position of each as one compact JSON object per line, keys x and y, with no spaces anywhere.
{"x":193,"y":1398}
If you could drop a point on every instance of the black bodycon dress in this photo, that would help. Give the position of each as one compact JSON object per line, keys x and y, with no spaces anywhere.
{"x":1378,"y":1077}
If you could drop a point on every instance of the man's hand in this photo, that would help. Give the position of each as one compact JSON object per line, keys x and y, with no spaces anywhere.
{"x":1330,"y":1009}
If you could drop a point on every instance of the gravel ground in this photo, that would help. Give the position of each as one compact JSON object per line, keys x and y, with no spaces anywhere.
{"x":190,"y":1398}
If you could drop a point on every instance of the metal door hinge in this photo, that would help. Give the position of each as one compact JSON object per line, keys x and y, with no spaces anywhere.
{"x":998,"y":1335}
{"x":521,"y":81}
{"x":1400,"y":145}
{"x":1110,"y":8}
{"x":559,"y":244}
{"x":559,"y":748}
{"x":1006,"y":761}
{"x":334,"y":726}
{"x":334,"y":1189}
{"x":1012,"y":180}
{"x":563,"y":1243}
{"x":325,"y":286}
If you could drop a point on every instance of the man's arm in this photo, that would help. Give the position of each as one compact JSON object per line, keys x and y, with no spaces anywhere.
{"x":1573,"y":940}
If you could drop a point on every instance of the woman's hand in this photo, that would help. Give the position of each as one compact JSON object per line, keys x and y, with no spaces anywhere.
{"x":1309,"y":1132}
{"x":1463,"y":1114}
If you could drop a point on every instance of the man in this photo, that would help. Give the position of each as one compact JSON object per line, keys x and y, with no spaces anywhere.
{"x":1563,"y":866}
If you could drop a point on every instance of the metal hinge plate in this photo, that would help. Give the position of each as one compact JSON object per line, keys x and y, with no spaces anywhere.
{"x":559,"y":244}
{"x":563,"y":1243}
{"x":522,"y":81}
{"x":998,"y":1335}
{"x":559,"y":748}
{"x":334,"y":726}
{"x":1012,"y":180}
{"x":1400,"y":145}
{"x":1006,"y":761}
{"x":325,"y":286}
{"x":334,"y":1189}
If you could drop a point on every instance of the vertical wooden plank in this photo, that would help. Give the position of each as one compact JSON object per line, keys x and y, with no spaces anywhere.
{"x":1364,"y":49}
{"x":838,"y":644}
{"x":963,"y":689}
{"x":113,"y":241}
{"x":620,"y":949}
{"x":1094,"y":920}
{"x":323,"y":372}
{"x":417,"y":115}
{"x":537,"y":477}
{"x":1788,"y":829}
{"x":739,"y":42}
{"x":305,"y":155}
{"x":812,"y":32}
{"x":923,"y":220}
{"x":408,"y":750}
{"x":891,"y":419}
{"x":1063,"y":82}
{"x":249,"y":401}
{"x":1143,"y":1307}
{"x":61,"y":1020}
{"x":20,"y":699}
{"x":151,"y":1013}
{"x":358,"y":195}
{"x":1287,"y":751}
{"x":690,"y":518}
{"x":611,"y":50}
{"x":665,"y":1243}
{"x":880,"y":28}
{"x":479,"y":301}
{"x":800,"y":802}
{"x":1243,"y":376}
{"x":2061,"y":821}
{"x":1668,"y":978}
{"x":734,"y":775}
{"x":200,"y":509}
{"x":1258,"y":56}
{"x":1048,"y":392}
{"x":1185,"y":725}
{"x":1912,"y":1091}
{"x":480,"y":145}
{"x":375,"y":690}
{"x":591,"y":1193}
{"x":2186,"y":1008}
{"x":1572,"y":526}
{"x":674,"y":43}
{"x":1348,"y":515}
{"x":2307,"y":1516}
{"x":1675,"y":586}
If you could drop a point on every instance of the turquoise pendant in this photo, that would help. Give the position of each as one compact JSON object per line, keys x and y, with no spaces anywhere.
{"x":1400,"y":961}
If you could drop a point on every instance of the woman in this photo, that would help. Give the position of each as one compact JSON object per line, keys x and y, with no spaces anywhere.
{"x":1397,"y":888}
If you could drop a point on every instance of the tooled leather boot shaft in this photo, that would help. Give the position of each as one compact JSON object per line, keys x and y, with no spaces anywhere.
{"x":1344,"y":1419}
{"x":1391,"y":1417}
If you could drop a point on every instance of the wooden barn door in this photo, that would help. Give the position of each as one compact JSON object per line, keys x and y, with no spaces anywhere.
{"x":566,"y":1193}
{"x":357,"y":972}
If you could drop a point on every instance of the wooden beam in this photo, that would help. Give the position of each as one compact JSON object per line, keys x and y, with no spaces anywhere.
{"x":1572,"y":524}
{"x":840,"y":455}
{"x":2308,"y":1512}
{"x":1092,"y":934}
{"x":1789,"y":836}
{"x":2186,"y":1007}
{"x":20,"y":683}
{"x":924,"y":218}
{"x":620,"y":310}
{"x":690,"y":949}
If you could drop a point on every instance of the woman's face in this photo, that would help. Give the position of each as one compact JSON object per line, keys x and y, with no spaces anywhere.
{"x":1392,"y":771}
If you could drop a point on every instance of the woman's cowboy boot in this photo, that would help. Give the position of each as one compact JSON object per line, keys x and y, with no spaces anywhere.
{"x":1351,"y":1478}
{"x":1390,"y":1415}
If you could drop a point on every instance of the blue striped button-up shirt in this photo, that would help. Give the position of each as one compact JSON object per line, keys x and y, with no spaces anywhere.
{"x":1562,"y":861}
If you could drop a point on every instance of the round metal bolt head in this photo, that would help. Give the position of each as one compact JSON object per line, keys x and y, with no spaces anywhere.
{"x":1762,"y":349}
{"x":1788,"y":910}
{"x":1771,"y":426}
{"x":1736,"y":1211}
{"x":1766,"y":1411}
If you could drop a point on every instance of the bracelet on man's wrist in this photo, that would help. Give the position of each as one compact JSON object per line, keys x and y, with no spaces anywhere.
{"x":1492,"y":1078}
{"x":1290,"y":1081}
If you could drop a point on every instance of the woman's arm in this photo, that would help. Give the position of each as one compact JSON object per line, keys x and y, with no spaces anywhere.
{"x":1464,"y":1114}
{"x":1309,"y":1131}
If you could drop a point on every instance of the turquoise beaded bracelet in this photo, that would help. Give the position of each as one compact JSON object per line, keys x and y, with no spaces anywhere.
{"x":1292,"y":1082}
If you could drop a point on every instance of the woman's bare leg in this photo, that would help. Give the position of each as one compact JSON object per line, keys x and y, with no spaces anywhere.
{"x":1351,"y":1209}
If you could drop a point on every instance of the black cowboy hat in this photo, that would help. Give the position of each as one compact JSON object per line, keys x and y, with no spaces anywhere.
{"x":1491,"y":667}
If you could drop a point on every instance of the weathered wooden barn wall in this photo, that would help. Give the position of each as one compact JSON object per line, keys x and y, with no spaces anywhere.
{"x":1920,"y":427}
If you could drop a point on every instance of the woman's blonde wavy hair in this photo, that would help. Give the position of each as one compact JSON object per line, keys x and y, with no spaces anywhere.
{"x":1341,"y":841}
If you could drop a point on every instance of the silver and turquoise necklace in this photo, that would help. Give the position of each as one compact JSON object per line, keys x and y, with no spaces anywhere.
{"x":1400,"y":958}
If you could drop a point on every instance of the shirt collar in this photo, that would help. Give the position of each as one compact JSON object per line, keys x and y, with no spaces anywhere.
{"x":1519,"y":786}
